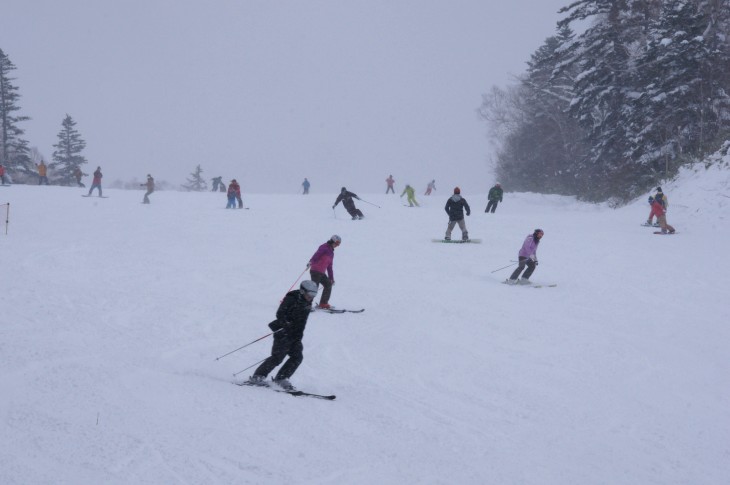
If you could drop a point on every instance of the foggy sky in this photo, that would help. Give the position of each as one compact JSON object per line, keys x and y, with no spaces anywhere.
{"x":269,"y":92}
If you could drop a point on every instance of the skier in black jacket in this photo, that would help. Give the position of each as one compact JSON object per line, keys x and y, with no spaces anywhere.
{"x":346,"y":198}
{"x":291,"y":319}
{"x":455,"y":207}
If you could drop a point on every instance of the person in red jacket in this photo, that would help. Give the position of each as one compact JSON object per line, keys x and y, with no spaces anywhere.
{"x":96,"y":183}
{"x":320,"y":263}
{"x":390,"y":181}
{"x":234,"y":194}
{"x":658,"y":210}
{"x":3,"y":178}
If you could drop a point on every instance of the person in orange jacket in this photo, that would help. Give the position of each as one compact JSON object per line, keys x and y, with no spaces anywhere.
{"x":42,"y":173}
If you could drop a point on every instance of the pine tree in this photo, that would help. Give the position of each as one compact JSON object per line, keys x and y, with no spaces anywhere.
{"x":684,"y":104}
{"x":196,"y":182}
{"x":601,"y":101}
{"x":67,"y":156}
{"x":14,"y":150}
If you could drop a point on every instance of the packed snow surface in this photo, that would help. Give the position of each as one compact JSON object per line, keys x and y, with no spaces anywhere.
{"x":113,"y":314}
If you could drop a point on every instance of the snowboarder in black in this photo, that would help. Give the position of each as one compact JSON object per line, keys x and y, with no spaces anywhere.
{"x":455,"y":207}
{"x":288,"y":328}
{"x":346,"y":198}
{"x":150,"y":184}
{"x":217,"y":182}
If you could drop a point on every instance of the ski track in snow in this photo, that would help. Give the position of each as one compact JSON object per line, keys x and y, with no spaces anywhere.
{"x":113,"y":314}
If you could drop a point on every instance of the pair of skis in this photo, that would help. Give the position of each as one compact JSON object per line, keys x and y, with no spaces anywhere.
{"x":336,"y":310}
{"x":530,"y":285}
{"x":291,"y":393}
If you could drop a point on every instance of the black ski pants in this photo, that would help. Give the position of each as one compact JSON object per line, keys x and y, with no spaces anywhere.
{"x":524,"y":262}
{"x":322,"y":279}
{"x":493,"y":205}
{"x":283,"y":346}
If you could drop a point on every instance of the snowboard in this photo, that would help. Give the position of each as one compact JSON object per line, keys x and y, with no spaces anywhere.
{"x":665,"y":233}
{"x":457,"y":241}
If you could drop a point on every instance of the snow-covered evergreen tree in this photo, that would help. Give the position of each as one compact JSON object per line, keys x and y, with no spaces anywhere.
{"x":67,"y":154}
{"x":14,"y":150}
{"x":196,"y":182}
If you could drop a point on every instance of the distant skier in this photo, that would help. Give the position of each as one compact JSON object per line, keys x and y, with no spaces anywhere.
{"x":150,"y":184}
{"x":217,"y":182}
{"x":527,"y":256}
{"x":234,"y":194}
{"x":658,"y":210}
{"x":96,"y":183}
{"x":455,"y":207}
{"x":3,"y":177}
{"x":390,"y":181}
{"x":431,"y":186}
{"x":321,"y":263}
{"x":346,"y":198}
{"x":288,"y":328}
{"x":77,"y":175}
{"x":42,"y":173}
{"x":495,"y":197}
{"x":411,"y":195}
{"x":306,"y":185}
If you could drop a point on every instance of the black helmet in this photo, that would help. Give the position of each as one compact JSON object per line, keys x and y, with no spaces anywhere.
{"x":343,"y":189}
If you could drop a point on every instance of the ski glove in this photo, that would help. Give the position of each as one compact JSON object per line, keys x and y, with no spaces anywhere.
{"x":309,"y":264}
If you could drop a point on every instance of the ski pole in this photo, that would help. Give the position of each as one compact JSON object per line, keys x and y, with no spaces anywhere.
{"x":257,"y":363}
{"x":376,"y":205}
{"x":243,"y":347}
{"x":247,"y":368}
{"x":295,"y":282}
{"x":505,"y":267}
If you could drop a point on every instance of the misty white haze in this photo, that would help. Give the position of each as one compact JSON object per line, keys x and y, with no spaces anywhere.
{"x":344,"y":93}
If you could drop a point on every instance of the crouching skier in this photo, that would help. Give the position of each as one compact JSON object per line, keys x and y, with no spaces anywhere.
{"x":288,"y":328}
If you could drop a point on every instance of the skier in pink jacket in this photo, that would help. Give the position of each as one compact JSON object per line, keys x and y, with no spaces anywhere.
{"x":320,"y":263}
{"x":527,"y":256}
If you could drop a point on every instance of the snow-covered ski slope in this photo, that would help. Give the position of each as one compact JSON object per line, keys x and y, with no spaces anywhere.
{"x":112,"y":314}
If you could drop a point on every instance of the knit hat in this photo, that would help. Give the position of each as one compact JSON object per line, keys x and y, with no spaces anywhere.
{"x":658,"y":189}
{"x":457,"y":190}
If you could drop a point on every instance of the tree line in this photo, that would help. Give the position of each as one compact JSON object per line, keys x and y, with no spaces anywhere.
{"x":21,"y":161}
{"x":608,"y":113}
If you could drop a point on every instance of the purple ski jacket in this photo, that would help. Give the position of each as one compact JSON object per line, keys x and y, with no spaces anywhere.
{"x":322,"y":260}
{"x":529,"y":248}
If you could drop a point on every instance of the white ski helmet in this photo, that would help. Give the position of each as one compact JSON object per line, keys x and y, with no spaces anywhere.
{"x":309,"y":288}
{"x":336,"y":239}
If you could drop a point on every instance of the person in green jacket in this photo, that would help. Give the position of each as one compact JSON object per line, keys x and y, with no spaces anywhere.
{"x":495,"y":197}
{"x":411,"y":195}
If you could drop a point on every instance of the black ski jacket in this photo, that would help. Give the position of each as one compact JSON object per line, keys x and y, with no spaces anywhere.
{"x":346,"y":199}
{"x":292,"y":316}
{"x":455,"y":207}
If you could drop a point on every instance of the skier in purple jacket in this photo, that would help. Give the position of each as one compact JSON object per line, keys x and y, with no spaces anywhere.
{"x":320,"y":263}
{"x":527,"y":257}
